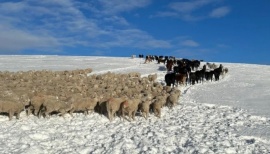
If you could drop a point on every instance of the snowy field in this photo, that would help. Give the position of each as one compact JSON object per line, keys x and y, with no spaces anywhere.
{"x":228,"y":116}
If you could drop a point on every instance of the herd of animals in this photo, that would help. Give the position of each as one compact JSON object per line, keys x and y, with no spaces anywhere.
{"x":45,"y":93}
{"x":185,"y":71}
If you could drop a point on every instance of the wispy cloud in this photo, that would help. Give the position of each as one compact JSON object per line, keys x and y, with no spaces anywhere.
{"x":189,"y":43}
{"x":188,"y":7}
{"x":54,"y":24}
{"x":220,"y":12}
{"x":14,"y":40}
{"x":188,"y":10}
{"x":118,"y":6}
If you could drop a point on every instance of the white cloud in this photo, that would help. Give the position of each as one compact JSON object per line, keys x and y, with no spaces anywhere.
{"x":188,"y":10}
{"x":59,"y":23}
{"x":118,"y":6}
{"x":13,"y":39}
{"x":189,"y":43}
{"x":188,"y":7}
{"x":220,"y":12}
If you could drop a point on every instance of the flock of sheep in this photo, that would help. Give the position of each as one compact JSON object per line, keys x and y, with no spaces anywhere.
{"x":43,"y":93}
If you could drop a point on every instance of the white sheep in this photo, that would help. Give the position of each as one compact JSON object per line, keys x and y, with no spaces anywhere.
{"x":130,"y":107}
{"x":113,"y":105}
{"x":52,"y":104}
{"x":84,"y":104}
{"x":12,"y":107}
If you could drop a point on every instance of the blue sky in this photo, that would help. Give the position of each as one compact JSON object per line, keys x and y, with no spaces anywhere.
{"x":211,"y":30}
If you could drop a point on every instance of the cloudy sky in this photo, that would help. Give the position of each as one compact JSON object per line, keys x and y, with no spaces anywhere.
{"x":212,"y":30}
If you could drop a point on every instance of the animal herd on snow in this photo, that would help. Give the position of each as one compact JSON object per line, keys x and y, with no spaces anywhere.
{"x":45,"y":93}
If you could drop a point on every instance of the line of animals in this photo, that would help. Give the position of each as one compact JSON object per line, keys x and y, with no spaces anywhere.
{"x":185,"y":71}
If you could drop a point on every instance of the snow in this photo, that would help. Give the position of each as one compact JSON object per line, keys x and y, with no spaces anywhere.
{"x":227,"y":116}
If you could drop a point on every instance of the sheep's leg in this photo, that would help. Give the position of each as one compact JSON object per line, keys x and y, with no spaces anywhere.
{"x":85,"y":112}
{"x":113,"y":114}
{"x":28,"y":111}
{"x":110,"y":114}
{"x":46,"y":114}
{"x":155,"y":112}
{"x":129,"y":115}
{"x":122,"y":115}
{"x":144,"y":115}
{"x":61,"y":113}
{"x":159,"y":113}
{"x":133,"y":114}
{"x":71,"y":111}
{"x":39,"y":114}
{"x":36,"y":111}
{"x":10,"y":115}
{"x":18,"y":115}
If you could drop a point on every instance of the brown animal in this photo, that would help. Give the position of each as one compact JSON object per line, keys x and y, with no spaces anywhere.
{"x":180,"y":79}
{"x":169,"y":65}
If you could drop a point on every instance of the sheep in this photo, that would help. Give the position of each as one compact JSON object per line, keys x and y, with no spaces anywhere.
{"x":158,"y":103}
{"x":156,"y":107}
{"x":172,"y":100}
{"x":55,"y":105}
{"x":152,"y":77}
{"x":144,"y":107}
{"x":113,"y":105}
{"x":35,"y":103}
{"x":130,"y":106}
{"x":134,"y":75}
{"x":84,"y":104}
{"x":12,"y":107}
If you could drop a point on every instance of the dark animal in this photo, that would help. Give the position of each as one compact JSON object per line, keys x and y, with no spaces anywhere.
{"x":170,"y":79}
{"x":192,"y":78}
{"x":217,"y":72}
{"x":200,"y":75}
{"x":161,"y":60}
{"x":209,"y":75}
{"x":169,"y":65}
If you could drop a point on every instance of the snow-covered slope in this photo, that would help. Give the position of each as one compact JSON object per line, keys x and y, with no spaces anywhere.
{"x":228,"y":116}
